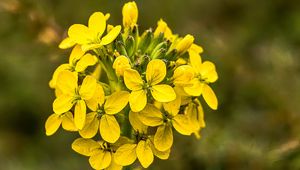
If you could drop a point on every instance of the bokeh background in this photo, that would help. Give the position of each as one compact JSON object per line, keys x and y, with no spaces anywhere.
{"x":255,"y":45}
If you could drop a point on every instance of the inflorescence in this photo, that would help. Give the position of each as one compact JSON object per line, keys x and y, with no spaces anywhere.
{"x":125,"y":92}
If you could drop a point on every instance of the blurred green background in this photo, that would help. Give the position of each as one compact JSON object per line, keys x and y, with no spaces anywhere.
{"x":255,"y":45}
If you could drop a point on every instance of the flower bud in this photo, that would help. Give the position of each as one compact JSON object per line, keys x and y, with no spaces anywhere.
{"x":162,"y":27}
{"x":130,"y":14}
{"x":185,"y":43}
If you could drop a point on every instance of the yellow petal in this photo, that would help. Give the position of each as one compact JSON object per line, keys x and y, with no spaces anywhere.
{"x":137,"y":100}
{"x":88,"y":88}
{"x":111,"y":36}
{"x":91,"y":126}
{"x":67,"y":82}
{"x":80,"y":114}
{"x":85,"y":146}
{"x":208,"y":72}
{"x":183,"y":75}
{"x":195,"y":61}
{"x":164,"y":155}
{"x":66,"y":43}
{"x":182,"y":124}
{"x":144,"y":154}
{"x":196,"y":48}
{"x":210,"y":97}
{"x":163,"y":138}
{"x":100,"y":159}
{"x":97,"y":23}
{"x":130,"y":14}
{"x":133,"y":80}
{"x":163,"y":93}
{"x":80,"y":34}
{"x":62,"y":103}
{"x":113,"y":165}
{"x":75,"y":55}
{"x":52,"y":124}
{"x":196,"y":89}
{"x":155,"y":72}
{"x":151,"y":116}
{"x":116,"y":102}
{"x":162,"y":27}
{"x":185,"y":43}
{"x":97,"y":99}
{"x":121,"y":64}
{"x":97,"y":72}
{"x":59,"y":69}
{"x":173,"y":107}
{"x":126,"y":154}
{"x":86,"y":61}
{"x":136,"y":124}
{"x":201,"y":116}
{"x":68,"y":122}
{"x":109,"y":128}
{"x":192,"y":112}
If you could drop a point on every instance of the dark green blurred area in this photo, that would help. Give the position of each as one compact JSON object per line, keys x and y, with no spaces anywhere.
{"x":255,"y":45}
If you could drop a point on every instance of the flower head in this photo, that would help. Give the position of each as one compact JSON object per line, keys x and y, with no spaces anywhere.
{"x":127,"y":93}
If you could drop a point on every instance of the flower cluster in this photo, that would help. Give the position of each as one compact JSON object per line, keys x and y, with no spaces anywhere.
{"x":125,"y":93}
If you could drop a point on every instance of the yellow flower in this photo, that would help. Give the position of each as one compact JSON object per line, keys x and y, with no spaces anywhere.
{"x":205,"y":73}
{"x":162,"y":27}
{"x":184,"y":44}
{"x":195,"y":113}
{"x":183,"y":75}
{"x":163,"y":138}
{"x":155,"y":73}
{"x":121,"y":64}
{"x":196,"y":48}
{"x":54,"y":121}
{"x":78,"y":62}
{"x":91,"y":37}
{"x":102,"y":117}
{"x":144,"y":151}
{"x":130,"y":14}
{"x":101,"y":154}
{"x":136,"y":124}
{"x":72,"y":94}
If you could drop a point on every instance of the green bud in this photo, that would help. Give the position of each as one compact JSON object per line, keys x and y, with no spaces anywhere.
{"x":130,"y":45}
{"x":145,"y":40}
{"x":121,"y":48}
{"x":158,"y":49}
{"x":155,"y":42}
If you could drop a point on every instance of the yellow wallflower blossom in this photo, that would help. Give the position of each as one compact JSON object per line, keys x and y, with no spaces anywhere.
{"x":163,"y":138}
{"x":102,"y":117}
{"x":144,"y":151}
{"x":155,"y":73}
{"x":101,"y":154}
{"x":183,"y":75}
{"x":54,"y":121}
{"x":205,"y":73}
{"x":72,"y":94}
{"x":78,"y":62}
{"x":162,"y":27}
{"x":195,"y":113}
{"x":91,"y":37}
{"x":121,"y":64}
{"x":130,"y":14}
